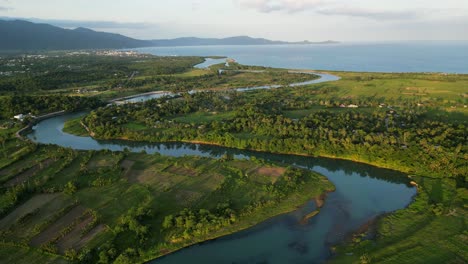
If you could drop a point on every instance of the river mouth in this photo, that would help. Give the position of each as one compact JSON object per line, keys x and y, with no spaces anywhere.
{"x":362,"y":193}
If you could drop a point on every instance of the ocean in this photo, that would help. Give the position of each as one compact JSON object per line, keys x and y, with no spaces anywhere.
{"x":411,"y":56}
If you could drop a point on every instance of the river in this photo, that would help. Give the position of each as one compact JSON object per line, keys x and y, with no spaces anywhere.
{"x":363,"y":192}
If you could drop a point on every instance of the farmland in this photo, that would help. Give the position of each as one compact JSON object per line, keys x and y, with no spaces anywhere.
{"x":98,"y":205}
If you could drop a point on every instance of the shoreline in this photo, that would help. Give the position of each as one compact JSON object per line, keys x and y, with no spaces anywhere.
{"x":206,"y":143}
{"x":19,"y":133}
{"x":319,"y":200}
{"x":242,"y":227}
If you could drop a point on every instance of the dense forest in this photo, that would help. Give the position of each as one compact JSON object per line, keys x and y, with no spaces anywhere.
{"x":51,"y":72}
{"x":407,"y":137}
{"x":14,"y":105}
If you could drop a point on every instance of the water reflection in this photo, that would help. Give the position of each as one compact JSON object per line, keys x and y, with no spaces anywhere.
{"x":362,"y":193}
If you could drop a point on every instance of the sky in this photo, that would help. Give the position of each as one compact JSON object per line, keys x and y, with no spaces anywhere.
{"x":291,"y":20}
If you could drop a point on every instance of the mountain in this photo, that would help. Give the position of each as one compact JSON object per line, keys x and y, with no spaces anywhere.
{"x":19,"y":35}
{"x":240,"y":40}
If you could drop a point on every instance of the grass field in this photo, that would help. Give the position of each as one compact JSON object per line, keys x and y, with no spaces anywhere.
{"x":133,"y":126}
{"x":74,"y":127}
{"x":449,"y":90}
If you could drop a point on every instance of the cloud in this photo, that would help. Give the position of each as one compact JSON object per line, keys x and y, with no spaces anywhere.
{"x":196,"y":6}
{"x":323,"y":7}
{"x":267,"y":6}
{"x":5,"y":8}
{"x":370,"y":14}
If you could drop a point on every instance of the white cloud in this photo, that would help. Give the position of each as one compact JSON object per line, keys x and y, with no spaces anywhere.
{"x":368,"y":13}
{"x":5,"y":6}
{"x":292,"y":6}
{"x":323,"y":7}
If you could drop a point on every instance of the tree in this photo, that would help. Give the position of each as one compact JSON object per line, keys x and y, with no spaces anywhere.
{"x":168,"y":222}
{"x":70,"y":188}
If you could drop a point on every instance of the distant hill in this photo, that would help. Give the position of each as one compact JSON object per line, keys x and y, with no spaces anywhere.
{"x":240,"y":40}
{"x":20,"y":35}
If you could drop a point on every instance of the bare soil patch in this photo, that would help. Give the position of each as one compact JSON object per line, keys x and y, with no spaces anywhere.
{"x":72,"y":239}
{"x":29,"y":206}
{"x":139,"y":176}
{"x":89,"y":236}
{"x":54,"y":229}
{"x":271,"y":171}
{"x":101,"y":160}
{"x":25,"y":175}
{"x":127,"y":164}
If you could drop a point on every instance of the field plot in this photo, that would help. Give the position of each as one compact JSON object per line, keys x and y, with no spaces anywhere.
{"x":28,"y":161}
{"x":53,"y":231}
{"x":25,"y":175}
{"x":29,"y":207}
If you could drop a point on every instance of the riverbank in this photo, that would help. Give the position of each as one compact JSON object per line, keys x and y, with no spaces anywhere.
{"x":413,"y":208}
{"x":346,"y":158}
{"x":27,"y":128}
{"x":298,"y":201}
{"x":116,"y":185}
{"x":169,"y":150}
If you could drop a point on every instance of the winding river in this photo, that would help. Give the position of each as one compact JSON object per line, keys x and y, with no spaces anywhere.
{"x":363,"y":192}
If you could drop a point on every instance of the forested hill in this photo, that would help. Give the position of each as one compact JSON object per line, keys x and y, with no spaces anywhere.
{"x":19,"y":35}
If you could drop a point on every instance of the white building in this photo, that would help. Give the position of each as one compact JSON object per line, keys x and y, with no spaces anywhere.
{"x":20,"y":117}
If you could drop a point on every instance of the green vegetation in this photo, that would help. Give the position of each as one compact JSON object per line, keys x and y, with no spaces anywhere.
{"x":74,"y":127}
{"x":36,"y":105}
{"x":90,"y":74}
{"x":87,"y":73}
{"x":431,"y":230}
{"x":415,"y":123}
{"x":59,"y":205}
{"x":413,"y":135}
